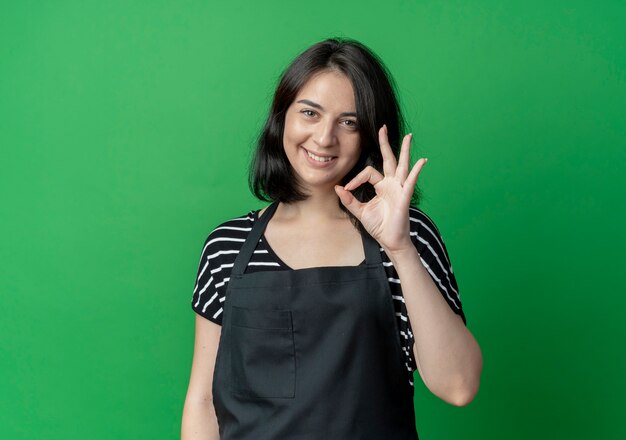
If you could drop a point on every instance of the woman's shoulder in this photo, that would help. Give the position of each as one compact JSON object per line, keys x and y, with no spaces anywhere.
{"x":420,"y":221}
{"x":233,"y":227}
{"x":426,"y":235}
{"x":245,"y":218}
{"x":227,"y":237}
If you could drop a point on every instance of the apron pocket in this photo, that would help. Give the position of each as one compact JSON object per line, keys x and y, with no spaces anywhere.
{"x":263,"y":356}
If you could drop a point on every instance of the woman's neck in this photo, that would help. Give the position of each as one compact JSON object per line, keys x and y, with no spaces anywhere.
{"x":318,"y":207}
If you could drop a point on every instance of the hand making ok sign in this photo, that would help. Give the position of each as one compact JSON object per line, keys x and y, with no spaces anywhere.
{"x":386,"y":216}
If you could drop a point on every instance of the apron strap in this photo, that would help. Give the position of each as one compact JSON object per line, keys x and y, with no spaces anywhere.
{"x":241,"y":262}
{"x":371,"y":247}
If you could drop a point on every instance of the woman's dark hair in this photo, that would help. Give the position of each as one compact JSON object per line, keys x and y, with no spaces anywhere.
{"x":271,"y":177}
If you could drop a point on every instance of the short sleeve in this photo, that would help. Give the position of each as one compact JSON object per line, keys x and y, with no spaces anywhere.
{"x":217,"y":258}
{"x":209,"y":291}
{"x":434,"y":255}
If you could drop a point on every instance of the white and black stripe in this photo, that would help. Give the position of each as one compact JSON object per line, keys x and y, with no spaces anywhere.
{"x":224,"y":242}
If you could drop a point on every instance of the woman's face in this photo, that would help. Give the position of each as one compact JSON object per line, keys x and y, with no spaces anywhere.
{"x":321,"y":136}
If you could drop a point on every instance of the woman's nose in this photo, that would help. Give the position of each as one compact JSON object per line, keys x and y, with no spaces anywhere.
{"x":325,"y":134}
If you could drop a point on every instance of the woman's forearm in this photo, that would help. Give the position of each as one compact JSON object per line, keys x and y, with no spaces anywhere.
{"x":447,"y":354}
{"x":199,"y":421}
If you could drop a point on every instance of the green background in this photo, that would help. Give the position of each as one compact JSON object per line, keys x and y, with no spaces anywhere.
{"x":126,"y":131}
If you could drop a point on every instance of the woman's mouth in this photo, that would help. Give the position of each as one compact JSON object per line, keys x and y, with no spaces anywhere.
{"x":321,"y":160}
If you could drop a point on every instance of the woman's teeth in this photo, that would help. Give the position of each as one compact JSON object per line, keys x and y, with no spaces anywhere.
{"x":318,"y":158}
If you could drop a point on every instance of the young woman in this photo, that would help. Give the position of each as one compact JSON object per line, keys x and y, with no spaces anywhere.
{"x":313,"y":313}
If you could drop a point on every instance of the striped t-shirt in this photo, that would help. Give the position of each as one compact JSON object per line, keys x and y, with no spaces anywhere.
{"x":224,"y":242}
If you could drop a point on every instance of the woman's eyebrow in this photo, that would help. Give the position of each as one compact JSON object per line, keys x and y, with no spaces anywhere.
{"x":317,"y":106}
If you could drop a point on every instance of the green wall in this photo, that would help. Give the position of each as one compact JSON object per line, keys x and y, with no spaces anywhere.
{"x":125,"y":133}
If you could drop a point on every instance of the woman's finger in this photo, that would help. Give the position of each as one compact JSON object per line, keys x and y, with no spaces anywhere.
{"x":350,"y":202}
{"x":404,"y":160}
{"x":389,"y":160}
{"x":411,"y":180}
{"x":369,"y":174}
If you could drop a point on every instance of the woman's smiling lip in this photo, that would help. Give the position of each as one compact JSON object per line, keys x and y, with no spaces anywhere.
{"x":317,"y":163}
{"x":318,"y":154}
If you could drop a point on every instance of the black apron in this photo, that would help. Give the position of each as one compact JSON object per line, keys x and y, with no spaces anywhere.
{"x":311,"y":354}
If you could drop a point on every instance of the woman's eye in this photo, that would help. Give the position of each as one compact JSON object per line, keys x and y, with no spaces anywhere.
{"x":350,"y":123}
{"x":308,"y":112}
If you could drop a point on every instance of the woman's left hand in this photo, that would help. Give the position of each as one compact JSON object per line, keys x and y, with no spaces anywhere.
{"x":386,"y":217}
